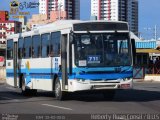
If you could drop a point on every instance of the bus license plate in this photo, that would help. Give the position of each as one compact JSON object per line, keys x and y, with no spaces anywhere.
{"x":125,"y":86}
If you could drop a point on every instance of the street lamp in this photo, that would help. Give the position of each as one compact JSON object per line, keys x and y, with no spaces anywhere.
{"x":155,"y":31}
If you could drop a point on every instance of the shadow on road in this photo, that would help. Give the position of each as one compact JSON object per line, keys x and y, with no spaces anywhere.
{"x":121,"y":96}
{"x":7,"y":97}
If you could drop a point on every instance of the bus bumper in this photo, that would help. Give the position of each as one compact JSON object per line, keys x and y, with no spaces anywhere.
{"x":78,"y":85}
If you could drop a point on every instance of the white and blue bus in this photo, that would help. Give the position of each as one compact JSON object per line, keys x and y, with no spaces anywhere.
{"x":72,"y":55}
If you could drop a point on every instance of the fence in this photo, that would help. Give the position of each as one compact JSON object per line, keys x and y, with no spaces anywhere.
{"x":139,"y":71}
{"x":2,"y":73}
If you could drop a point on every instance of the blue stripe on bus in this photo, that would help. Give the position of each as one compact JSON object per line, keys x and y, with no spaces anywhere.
{"x":110,"y":69}
{"x":78,"y":73}
{"x":40,"y":70}
{"x":105,"y":76}
{"x":113,"y":76}
{"x":86,"y":76}
{"x":75,"y":70}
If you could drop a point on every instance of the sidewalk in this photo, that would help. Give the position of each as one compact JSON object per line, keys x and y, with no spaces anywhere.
{"x":2,"y":81}
{"x":143,"y":80}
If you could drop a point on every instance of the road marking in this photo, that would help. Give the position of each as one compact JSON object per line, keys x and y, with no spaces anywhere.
{"x":10,"y":98}
{"x":57,"y":106}
{"x":7,"y":98}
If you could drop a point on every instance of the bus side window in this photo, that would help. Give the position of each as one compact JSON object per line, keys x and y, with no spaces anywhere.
{"x":55,"y":44}
{"x":24,"y":53}
{"x":51,"y":50}
{"x":48,"y":50}
{"x":36,"y":49}
{"x":39,"y":51}
{"x":30,"y":51}
{"x":45,"y":44}
{"x":27,"y":46}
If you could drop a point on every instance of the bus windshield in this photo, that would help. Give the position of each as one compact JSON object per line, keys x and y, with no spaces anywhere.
{"x":102,"y":49}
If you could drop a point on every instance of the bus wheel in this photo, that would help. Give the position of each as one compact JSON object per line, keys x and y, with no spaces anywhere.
{"x":23,"y":88}
{"x":109,"y":94}
{"x":59,"y":94}
{"x":27,"y":92}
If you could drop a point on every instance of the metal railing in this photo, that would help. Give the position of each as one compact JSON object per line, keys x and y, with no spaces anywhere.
{"x":139,"y":71}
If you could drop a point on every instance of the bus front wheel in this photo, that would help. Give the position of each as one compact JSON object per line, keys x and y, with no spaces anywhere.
{"x":59,"y":94}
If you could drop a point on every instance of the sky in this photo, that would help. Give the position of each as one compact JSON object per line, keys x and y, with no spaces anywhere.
{"x":149,"y":14}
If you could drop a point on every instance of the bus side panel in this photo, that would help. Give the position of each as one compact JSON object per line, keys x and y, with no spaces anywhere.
{"x":39,"y":72}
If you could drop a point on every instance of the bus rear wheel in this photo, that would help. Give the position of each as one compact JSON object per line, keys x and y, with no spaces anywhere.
{"x":59,"y":94}
{"x":26,"y":91}
{"x":23,"y":88}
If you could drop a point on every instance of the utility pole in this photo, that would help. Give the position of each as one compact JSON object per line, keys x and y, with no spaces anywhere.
{"x":155,"y":32}
{"x":59,"y":11}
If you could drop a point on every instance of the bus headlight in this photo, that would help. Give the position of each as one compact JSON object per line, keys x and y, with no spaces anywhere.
{"x":126,"y":79}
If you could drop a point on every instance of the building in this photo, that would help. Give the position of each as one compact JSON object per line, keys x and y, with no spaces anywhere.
{"x":132,"y":15}
{"x":54,"y":15}
{"x":37,"y":20}
{"x":7,"y":27}
{"x":117,"y":10}
{"x":70,"y":7}
{"x":4,"y":15}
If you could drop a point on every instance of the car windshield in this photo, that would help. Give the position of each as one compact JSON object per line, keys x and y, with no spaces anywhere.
{"x":107,"y":49}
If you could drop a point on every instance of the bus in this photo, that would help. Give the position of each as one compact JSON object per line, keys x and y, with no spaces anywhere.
{"x":71,"y":55}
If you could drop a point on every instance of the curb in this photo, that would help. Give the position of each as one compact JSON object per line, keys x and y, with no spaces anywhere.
{"x":145,"y":81}
{"x":138,"y":80}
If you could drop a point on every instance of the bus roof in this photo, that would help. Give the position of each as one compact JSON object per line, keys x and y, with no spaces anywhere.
{"x":56,"y":26}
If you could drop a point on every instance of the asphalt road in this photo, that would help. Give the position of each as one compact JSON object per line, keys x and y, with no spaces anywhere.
{"x":144,"y":98}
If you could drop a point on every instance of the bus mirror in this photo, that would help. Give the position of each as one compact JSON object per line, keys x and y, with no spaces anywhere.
{"x":133,"y":50}
{"x":72,"y":37}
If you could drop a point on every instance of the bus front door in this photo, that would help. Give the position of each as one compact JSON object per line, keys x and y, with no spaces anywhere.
{"x":64,"y":44}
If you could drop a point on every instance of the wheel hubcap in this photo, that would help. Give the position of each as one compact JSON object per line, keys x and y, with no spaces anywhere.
{"x":23,"y":85}
{"x":57,"y":90}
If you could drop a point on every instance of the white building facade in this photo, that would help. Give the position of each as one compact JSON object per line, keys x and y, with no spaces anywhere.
{"x":117,"y":10}
{"x":72,"y":7}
